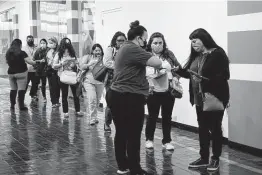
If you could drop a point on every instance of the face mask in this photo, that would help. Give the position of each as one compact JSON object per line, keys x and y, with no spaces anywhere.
{"x":43,"y":46}
{"x":157,"y":49}
{"x":144,"y":42}
{"x":51,"y":46}
{"x":30,"y":43}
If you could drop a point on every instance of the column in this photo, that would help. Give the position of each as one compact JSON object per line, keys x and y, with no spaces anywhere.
{"x":34,"y":17}
{"x":15,"y":23}
{"x":73,"y":24}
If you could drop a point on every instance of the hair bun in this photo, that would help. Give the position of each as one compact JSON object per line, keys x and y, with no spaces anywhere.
{"x":134,"y":24}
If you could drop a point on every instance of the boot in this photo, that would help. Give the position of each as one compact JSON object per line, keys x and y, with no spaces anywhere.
{"x":13,"y":94}
{"x":21,"y":98}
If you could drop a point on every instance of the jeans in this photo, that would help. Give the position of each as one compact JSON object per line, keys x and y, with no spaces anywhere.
{"x":154,"y":102}
{"x":93,"y":94}
{"x":43,"y":84}
{"x":64,"y":89}
{"x":210,"y":127}
{"x":128,"y":112}
{"x":54,"y":88}
{"x":108,"y":113}
{"x":31,"y":77}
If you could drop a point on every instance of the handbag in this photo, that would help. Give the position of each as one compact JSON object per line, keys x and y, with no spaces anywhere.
{"x":68,"y":77}
{"x":175,"y":88}
{"x":211,"y":103}
{"x":99,"y":71}
{"x":80,"y":80}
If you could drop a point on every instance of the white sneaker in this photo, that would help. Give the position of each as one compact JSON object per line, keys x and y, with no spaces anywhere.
{"x":93,"y":122}
{"x":149,"y":144}
{"x":168,"y":146}
{"x":122,"y":171}
{"x":66,"y":115}
{"x":80,"y":113}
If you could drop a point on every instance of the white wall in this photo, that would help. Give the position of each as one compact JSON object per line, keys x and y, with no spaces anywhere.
{"x":22,"y":9}
{"x":176,"y":20}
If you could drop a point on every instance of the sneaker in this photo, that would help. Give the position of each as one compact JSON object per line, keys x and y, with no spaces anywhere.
{"x":24,"y":108}
{"x":12,"y":107}
{"x":66,"y":115}
{"x":120,"y":171}
{"x":79,"y":113}
{"x":58,"y":104}
{"x":54,"y":106}
{"x":101,"y":105}
{"x":168,"y":146}
{"x":93,"y":122}
{"x":149,"y":144}
{"x":107,"y":128}
{"x":35,"y":98}
{"x":213,"y":165}
{"x":44,"y":100}
{"x":198,"y":163}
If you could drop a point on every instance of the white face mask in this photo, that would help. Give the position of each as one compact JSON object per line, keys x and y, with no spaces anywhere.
{"x":51,"y":45}
{"x":157,"y":48}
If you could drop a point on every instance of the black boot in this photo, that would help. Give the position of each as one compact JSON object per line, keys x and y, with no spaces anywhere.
{"x":21,"y":98}
{"x":13,"y":94}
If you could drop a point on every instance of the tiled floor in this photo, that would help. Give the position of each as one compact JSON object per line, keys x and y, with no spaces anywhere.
{"x":41,"y":141}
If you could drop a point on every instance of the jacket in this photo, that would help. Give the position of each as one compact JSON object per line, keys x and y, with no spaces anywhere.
{"x":216,"y":69}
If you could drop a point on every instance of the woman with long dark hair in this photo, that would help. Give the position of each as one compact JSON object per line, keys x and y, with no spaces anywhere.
{"x":117,"y":41}
{"x":160,"y":96}
{"x":93,"y":88}
{"x":208,"y":71}
{"x":65,"y":60}
{"x":53,"y":79}
{"x":126,"y":97}
{"x":17,"y":72}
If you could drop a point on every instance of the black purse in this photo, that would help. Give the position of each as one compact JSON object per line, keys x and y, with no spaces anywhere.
{"x":99,"y":71}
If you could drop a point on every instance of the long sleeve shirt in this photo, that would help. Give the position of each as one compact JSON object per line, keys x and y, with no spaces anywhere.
{"x":30,"y":51}
{"x":108,"y":59}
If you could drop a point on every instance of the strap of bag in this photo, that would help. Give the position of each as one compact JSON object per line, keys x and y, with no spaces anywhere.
{"x":200,"y":66}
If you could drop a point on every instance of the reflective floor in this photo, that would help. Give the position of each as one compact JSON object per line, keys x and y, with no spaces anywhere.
{"x":41,"y":141}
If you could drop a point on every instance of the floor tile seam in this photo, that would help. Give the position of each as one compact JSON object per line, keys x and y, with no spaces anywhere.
{"x":223,"y":159}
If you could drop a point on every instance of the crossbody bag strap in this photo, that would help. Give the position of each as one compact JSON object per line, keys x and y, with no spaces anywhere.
{"x":200,"y":66}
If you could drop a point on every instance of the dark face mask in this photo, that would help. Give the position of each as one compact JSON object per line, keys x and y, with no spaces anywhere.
{"x":30,"y":43}
{"x":145,"y":43}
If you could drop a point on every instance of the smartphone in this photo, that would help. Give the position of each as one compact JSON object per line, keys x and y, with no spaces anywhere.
{"x":196,"y":74}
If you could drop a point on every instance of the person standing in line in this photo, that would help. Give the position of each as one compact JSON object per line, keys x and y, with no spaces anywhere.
{"x":211,"y":66}
{"x":30,"y":50}
{"x":93,"y":88}
{"x":126,"y":98}
{"x":17,"y":73}
{"x":65,"y":60}
{"x":160,"y":97}
{"x":41,"y":67}
{"x":53,"y":79}
{"x":118,"y":39}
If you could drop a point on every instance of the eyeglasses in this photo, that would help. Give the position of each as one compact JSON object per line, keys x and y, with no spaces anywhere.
{"x":120,"y":40}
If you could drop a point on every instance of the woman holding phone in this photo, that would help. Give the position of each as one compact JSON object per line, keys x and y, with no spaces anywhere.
{"x":208,"y":71}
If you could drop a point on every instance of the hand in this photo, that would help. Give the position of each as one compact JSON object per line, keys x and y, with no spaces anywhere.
{"x":64,"y":62}
{"x":162,"y":71}
{"x":175,"y":68}
{"x":197,"y":78}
